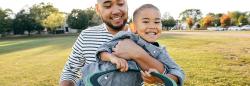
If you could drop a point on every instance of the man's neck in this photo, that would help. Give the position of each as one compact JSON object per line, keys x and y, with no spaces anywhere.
{"x":113,"y":32}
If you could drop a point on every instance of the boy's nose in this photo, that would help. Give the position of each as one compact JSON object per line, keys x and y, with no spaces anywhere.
{"x":152,"y":26}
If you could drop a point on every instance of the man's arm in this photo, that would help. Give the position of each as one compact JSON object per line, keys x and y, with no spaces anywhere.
{"x":127,"y":49}
{"x":67,"y":83}
{"x":146,"y":62}
{"x":73,"y":65}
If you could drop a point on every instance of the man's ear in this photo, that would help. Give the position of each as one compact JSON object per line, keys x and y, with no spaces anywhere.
{"x":97,"y":9}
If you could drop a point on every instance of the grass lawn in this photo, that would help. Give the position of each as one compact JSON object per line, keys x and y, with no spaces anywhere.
{"x":208,"y":58}
{"x":33,"y":62}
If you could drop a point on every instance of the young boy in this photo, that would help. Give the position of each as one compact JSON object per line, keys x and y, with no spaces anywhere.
{"x":147,"y":22}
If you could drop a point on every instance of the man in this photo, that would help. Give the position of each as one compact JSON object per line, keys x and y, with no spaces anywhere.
{"x":114,"y":14}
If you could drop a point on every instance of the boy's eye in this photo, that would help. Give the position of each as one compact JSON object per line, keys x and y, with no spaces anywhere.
{"x":145,"y":21}
{"x":157,"y":22}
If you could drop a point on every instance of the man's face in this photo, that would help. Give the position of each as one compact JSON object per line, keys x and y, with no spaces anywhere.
{"x":148,"y":24}
{"x":114,"y":13}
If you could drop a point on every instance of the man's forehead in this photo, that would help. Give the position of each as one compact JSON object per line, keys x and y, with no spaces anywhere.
{"x":102,"y":1}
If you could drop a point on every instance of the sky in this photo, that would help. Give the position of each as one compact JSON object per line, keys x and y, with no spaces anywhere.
{"x":173,"y":7}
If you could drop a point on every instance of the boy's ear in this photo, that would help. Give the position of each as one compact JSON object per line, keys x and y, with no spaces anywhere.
{"x":132,"y":27}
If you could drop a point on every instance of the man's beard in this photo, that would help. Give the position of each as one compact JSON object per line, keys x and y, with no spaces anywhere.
{"x":117,"y":28}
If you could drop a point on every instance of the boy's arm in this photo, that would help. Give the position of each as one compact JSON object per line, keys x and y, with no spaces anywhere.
{"x":172,"y":69}
{"x":119,"y":62}
{"x":105,"y":56}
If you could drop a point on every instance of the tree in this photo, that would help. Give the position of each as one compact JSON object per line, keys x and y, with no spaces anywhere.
{"x":190,"y":22}
{"x":242,"y":20}
{"x":234,"y":17}
{"x":94,"y":19}
{"x":247,"y":14}
{"x":216,"y":21}
{"x":22,"y":22}
{"x":207,"y":20}
{"x":54,"y":21}
{"x":225,"y":20}
{"x":81,"y":19}
{"x":194,"y":14}
{"x":77,"y":19}
{"x":5,"y":21}
{"x":39,"y":12}
{"x":168,"y":20}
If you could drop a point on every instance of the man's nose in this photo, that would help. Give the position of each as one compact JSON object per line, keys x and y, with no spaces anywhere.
{"x":116,"y":10}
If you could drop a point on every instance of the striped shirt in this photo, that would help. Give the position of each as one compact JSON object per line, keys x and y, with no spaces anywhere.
{"x":84,"y":51}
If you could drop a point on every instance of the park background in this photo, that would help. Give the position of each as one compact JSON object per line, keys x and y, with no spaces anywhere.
{"x":209,"y":39}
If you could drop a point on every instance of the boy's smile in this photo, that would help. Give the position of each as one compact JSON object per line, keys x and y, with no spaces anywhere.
{"x":148,"y":24}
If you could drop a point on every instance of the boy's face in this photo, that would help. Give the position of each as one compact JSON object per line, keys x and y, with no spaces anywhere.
{"x":148,"y":24}
{"x":114,"y":13}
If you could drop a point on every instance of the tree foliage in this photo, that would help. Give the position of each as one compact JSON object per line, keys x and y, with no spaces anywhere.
{"x":207,"y":20}
{"x":32,"y":19}
{"x":216,"y":21}
{"x":54,"y":21}
{"x":225,"y":20}
{"x":22,"y":22}
{"x":234,"y":17}
{"x":5,"y":20}
{"x":194,"y":14}
{"x":242,"y":20}
{"x":190,"y":22}
{"x":81,"y":19}
{"x":78,"y":19}
{"x":168,"y":20}
{"x":40,"y":12}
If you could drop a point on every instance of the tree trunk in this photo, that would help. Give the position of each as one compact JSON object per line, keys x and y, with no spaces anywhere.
{"x":29,"y":33}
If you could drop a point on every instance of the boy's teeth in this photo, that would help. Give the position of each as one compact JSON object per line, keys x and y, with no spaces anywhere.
{"x":151,"y":33}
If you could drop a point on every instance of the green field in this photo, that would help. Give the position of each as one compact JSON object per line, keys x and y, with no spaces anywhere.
{"x":208,"y":58}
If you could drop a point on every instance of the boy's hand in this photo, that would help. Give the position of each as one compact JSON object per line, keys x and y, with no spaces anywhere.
{"x":121,"y":63}
{"x":148,"y":78}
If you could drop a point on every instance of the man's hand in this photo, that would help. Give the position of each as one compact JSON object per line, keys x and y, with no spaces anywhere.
{"x":127,"y":49}
{"x":148,"y":78}
{"x":67,"y":83}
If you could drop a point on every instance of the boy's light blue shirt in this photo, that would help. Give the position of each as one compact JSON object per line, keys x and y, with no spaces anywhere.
{"x":132,"y":79}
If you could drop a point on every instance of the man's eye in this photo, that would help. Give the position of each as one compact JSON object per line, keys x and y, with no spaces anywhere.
{"x":120,"y":4}
{"x":107,"y":6}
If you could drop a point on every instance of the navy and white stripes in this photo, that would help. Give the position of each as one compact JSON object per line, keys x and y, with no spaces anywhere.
{"x":84,"y":50}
